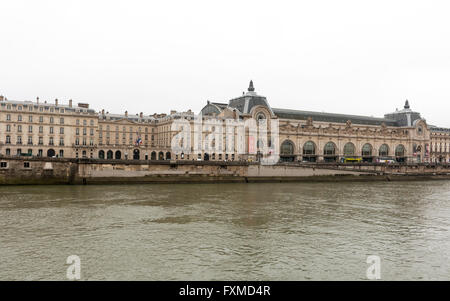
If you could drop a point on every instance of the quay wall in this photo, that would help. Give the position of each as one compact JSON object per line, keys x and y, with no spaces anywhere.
{"x":34,"y":171}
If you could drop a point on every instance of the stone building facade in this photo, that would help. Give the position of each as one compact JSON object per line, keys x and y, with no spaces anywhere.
{"x":42,"y":129}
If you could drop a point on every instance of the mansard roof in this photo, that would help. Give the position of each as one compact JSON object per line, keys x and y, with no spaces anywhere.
{"x":48,"y":105}
{"x":332,"y":117}
{"x":244,"y":104}
{"x":439,"y":129}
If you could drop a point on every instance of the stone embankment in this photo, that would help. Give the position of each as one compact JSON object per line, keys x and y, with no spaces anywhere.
{"x":21,"y":171}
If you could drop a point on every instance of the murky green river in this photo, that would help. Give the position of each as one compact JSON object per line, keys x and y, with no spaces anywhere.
{"x":301,"y":231}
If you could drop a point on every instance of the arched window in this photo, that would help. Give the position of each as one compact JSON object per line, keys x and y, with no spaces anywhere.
{"x":400,"y":151}
{"x":384,"y":150}
{"x":136,"y":154}
{"x":161,"y":156}
{"x":109,"y":154}
{"x":287,"y":148}
{"x":329,"y":149}
{"x":309,"y":148}
{"x":349,"y":149}
{"x":366,"y":150}
{"x":259,"y":144}
{"x":101,"y":154}
{"x":118,"y":155}
{"x":168,"y":156}
{"x":51,"y":153}
{"x":153,"y":156}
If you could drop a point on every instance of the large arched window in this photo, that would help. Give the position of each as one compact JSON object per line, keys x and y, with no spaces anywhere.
{"x":309,"y":148}
{"x":101,"y":154}
{"x":153,"y":156}
{"x":349,"y":149}
{"x":329,"y":149}
{"x":109,"y":154}
{"x":287,"y":148}
{"x":118,"y":155}
{"x":366,"y":150}
{"x":400,"y":151}
{"x":287,"y":151}
{"x":384,"y":150}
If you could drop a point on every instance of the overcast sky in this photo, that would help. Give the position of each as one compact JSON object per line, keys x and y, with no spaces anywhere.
{"x":356,"y":57}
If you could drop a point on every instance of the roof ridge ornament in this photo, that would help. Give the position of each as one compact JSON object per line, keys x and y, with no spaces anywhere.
{"x":406,"y":104}
{"x":250,"y":87}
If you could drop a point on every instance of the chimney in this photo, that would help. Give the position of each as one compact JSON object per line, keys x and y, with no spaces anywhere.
{"x":56,"y":102}
{"x":37,"y":99}
{"x":70,"y":102}
{"x":141,"y":114}
{"x":103,"y":111}
{"x":126,"y":113}
{"x":1,"y":97}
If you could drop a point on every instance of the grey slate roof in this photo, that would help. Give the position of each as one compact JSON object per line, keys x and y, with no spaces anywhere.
{"x":439,"y":129}
{"x":332,"y":117}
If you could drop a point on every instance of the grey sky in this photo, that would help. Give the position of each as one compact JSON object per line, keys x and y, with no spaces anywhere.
{"x":356,"y":57}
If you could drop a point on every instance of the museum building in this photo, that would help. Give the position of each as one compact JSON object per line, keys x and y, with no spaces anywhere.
{"x":43,"y":129}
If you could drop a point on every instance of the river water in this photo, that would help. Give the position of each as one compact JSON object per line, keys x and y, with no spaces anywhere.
{"x":281,"y":231}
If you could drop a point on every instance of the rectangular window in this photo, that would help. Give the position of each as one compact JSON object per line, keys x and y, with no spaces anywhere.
{"x":3,"y":164}
{"x":26,"y":164}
